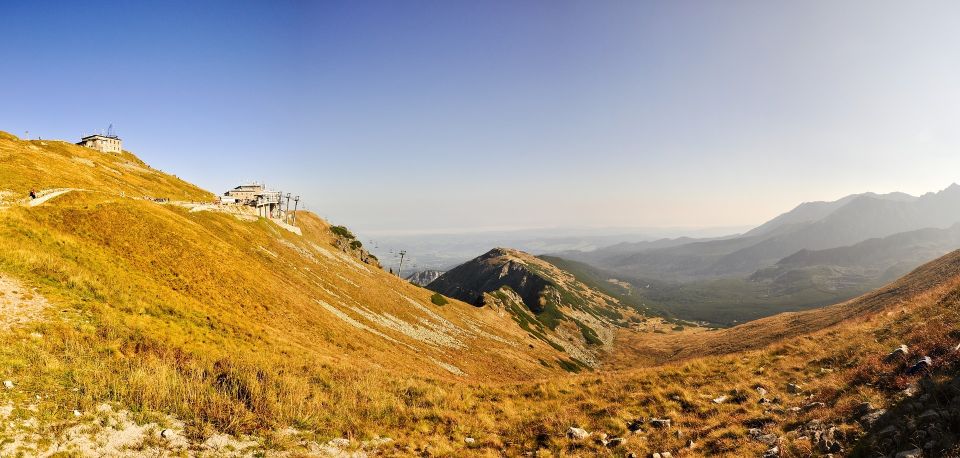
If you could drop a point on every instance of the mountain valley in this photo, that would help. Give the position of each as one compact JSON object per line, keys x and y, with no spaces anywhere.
{"x":141,"y":318}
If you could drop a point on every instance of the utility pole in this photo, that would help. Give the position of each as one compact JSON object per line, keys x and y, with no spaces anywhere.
{"x":296,"y":200}
{"x":286,"y":213}
{"x":400,"y":267}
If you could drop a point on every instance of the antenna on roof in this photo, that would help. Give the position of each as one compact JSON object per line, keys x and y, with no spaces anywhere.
{"x":110,"y":132}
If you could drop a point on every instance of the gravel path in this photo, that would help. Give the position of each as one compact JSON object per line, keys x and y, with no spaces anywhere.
{"x":40,"y":200}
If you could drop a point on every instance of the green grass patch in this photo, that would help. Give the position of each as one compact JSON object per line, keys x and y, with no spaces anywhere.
{"x":438,"y":299}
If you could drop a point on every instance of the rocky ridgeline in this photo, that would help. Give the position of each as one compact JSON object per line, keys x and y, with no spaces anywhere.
{"x":424,"y":277}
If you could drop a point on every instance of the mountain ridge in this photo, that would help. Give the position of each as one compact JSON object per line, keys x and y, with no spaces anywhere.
{"x":158,"y":323}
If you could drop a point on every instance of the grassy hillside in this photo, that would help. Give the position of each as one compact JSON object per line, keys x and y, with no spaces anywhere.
{"x":786,"y":381}
{"x":51,"y":164}
{"x":132,"y":327}
{"x":227,"y":323}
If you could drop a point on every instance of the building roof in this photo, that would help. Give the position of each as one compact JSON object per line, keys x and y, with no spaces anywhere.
{"x":101,"y":136}
{"x":253,"y":186}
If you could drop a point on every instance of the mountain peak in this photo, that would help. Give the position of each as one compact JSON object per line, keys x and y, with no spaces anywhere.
{"x":544,"y":300}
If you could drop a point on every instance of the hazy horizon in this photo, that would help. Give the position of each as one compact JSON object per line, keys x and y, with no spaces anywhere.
{"x":457,"y":117}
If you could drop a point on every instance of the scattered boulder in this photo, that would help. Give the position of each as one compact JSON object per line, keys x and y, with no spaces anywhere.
{"x":826,"y":441}
{"x":720,"y":399}
{"x":922,"y":365}
{"x":915,"y":453}
{"x":76,"y":413}
{"x":769,"y":439}
{"x":772,"y":452}
{"x":761,"y":391}
{"x":340,"y":442}
{"x":898,"y":353}
{"x":469,"y":440}
{"x":823,"y":438}
{"x":691,"y":443}
{"x":758,"y":435}
{"x":8,"y":384}
{"x":793,"y":388}
{"x":813,"y":405}
{"x":616,"y":442}
{"x":577,"y":433}
{"x":662,"y":455}
{"x":870,"y":418}
{"x":635,"y":425}
{"x":660,"y":422}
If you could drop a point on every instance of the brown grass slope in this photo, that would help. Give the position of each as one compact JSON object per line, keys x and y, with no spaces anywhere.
{"x":244,"y":327}
{"x":50,"y":164}
{"x":232,"y":325}
{"x":785,"y":325}
{"x":837,"y":369}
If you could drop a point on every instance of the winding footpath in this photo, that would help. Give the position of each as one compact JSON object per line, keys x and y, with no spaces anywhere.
{"x":50,"y":194}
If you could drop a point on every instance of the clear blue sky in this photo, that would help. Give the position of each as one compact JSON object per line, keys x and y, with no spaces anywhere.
{"x":433,"y":115}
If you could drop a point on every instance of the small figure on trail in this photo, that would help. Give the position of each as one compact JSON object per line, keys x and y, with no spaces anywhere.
{"x":33,"y":194}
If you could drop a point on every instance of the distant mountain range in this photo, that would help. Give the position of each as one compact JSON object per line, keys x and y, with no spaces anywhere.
{"x":809,"y":226}
{"x":817,"y":253}
{"x":424,"y":277}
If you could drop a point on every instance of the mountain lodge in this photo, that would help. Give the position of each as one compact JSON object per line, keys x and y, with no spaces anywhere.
{"x":256,"y":195}
{"x":102,"y":143}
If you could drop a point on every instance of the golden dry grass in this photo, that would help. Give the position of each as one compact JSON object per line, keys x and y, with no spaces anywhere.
{"x":217,"y":321}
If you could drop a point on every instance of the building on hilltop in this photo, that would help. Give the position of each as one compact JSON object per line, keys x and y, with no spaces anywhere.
{"x":245,"y":194}
{"x":268,"y":204}
{"x":109,"y":143}
{"x":256,"y":195}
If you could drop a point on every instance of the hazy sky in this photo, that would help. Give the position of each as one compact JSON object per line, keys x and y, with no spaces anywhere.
{"x":437,"y":115}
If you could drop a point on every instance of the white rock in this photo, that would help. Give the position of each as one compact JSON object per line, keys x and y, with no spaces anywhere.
{"x":76,"y":413}
{"x":577,"y":433}
{"x":340,"y":442}
{"x":469,"y":440}
{"x":8,"y":384}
